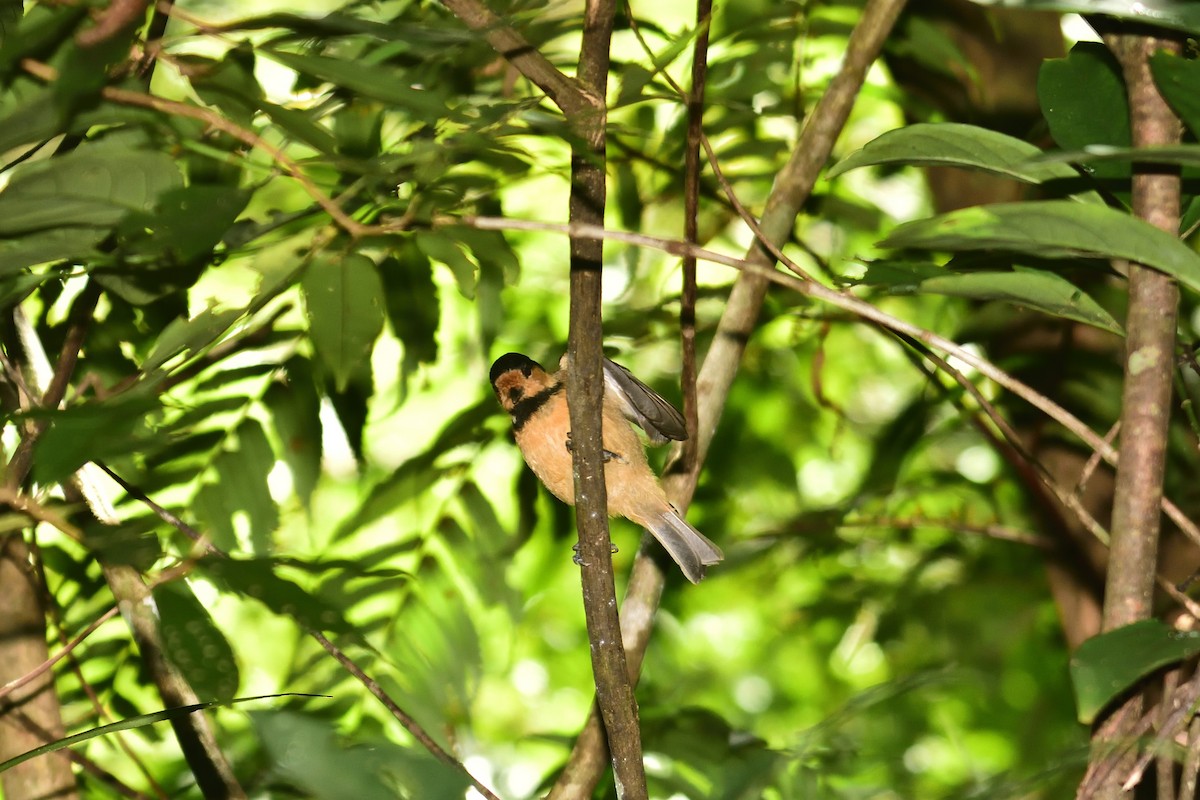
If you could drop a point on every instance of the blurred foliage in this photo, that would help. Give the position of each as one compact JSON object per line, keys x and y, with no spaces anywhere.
{"x":317,"y":406}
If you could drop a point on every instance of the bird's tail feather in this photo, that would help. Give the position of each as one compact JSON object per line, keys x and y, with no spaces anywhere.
{"x":690,"y":548}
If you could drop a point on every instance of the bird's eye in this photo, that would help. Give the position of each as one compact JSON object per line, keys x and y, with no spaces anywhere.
{"x":527,"y":370}
{"x":514,"y":394}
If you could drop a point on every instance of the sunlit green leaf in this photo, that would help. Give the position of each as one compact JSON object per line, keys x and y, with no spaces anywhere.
{"x":228,"y":84}
{"x":295,"y":410}
{"x":241,"y":489}
{"x":417,"y":474}
{"x":441,"y":245}
{"x":1053,"y":229}
{"x":194,"y":644}
{"x":256,"y":578}
{"x":379,"y":82}
{"x":1035,"y":289}
{"x":91,"y":186}
{"x":306,"y":752}
{"x":344,"y":300}
{"x":189,"y":336}
{"x":955,"y":145}
{"x":93,"y":431}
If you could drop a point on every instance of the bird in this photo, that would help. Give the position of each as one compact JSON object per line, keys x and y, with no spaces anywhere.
{"x":536,"y":402}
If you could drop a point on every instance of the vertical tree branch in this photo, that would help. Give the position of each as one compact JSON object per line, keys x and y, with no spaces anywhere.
{"x":22,"y":649}
{"x":691,"y":214}
{"x":22,"y":613}
{"x":1145,"y":403}
{"x":585,"y":390}
{"x":792,"y":188}
{"x":195,"y":733}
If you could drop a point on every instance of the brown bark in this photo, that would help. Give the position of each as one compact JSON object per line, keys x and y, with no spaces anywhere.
{"x":30,"y":716}
{"x":1145,"y":406}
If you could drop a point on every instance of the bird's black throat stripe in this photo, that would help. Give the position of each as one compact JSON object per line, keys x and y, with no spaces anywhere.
{"x":525,"y":409}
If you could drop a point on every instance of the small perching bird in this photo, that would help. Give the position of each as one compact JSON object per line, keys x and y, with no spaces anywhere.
{"x":537,"y":403}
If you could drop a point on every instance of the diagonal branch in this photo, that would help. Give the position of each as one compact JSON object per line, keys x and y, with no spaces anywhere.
{"x":574,"y":98}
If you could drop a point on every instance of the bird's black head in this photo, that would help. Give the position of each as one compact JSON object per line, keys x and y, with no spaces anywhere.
{"x":511,"y":361}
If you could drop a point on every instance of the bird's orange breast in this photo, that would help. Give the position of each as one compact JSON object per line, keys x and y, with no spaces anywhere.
{"x":633,"y":490}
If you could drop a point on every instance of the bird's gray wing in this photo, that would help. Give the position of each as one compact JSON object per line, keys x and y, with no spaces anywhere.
{"x":643,"y":406}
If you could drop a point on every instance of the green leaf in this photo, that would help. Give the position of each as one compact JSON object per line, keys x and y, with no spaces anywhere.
{"x":300,"y":126}
{"x":295,"y":410}
{"x":1083,"y":99}
{"x":241,"y":488}
{"x":358,"y":128}
{"x":189,"y":335}
{"x":42,"y":30}
{"x":135,"y":542}
{"x":925,"y":42}
{"x":186,"y":223}
{"x":93,"y":431}
{"x":1182,"y":15}
{"x":92,"y":186}
{"x":350,"y":405}
{"x":345,"y":302}
{"x":1186,"y":155}
{"x":490,"y":247}
{"x":256,"y":578}
{"x":412,"y":303}
{"x":1053,"y":229}
{"x":132,"y":723}
{"x":53,"y":244}
{"x":305,"y":751}
{"x":441,"y":246}
{"x":1036,"y":289}
{"x":391,"y":86}
{"x":30,"y":119}
{"x":1110,"y":664}
{"x":1177,"y":79}
{"x":951,"y":144}
{"x":228,"y":84}
{"x":417,"y":474}
{"x":194,"y":644}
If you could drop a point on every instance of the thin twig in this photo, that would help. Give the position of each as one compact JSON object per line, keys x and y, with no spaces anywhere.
{"x":573,"y":97}
{"x":199,"y":539}
{"x":1175,"y":710}
{"x":1093,"y":461}
{"x":691,"y":215}
{"x":411,"y":725}
{"x":80,"y":321}
{"x":12,"y":686}
{"x":117,"y":16}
